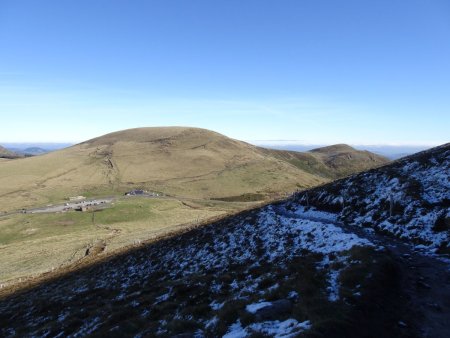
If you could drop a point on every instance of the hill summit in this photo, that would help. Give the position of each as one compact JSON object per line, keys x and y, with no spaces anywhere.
{"x":176,"y":161}
{"x":334,"y":149}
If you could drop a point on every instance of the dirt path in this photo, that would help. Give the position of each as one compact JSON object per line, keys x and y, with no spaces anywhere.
{"x":426,"y":281}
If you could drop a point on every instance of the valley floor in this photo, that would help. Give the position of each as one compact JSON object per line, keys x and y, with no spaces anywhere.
{"x":51,"y":239}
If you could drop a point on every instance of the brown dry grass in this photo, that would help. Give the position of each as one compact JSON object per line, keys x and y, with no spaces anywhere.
{"x":31,"y":244}
{"x":49,"y":254}
{"x":331,"y":162}
{"x":185,"y":162}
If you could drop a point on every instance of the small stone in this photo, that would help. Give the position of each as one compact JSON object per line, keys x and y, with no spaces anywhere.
{"x":276,"y":309}
{"x":402,"y":324}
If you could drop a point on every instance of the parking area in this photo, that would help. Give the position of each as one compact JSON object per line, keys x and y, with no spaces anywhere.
{"x":84,"y":205}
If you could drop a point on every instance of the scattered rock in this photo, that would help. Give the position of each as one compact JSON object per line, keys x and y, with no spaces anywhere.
{"x":94,"y":249}
{"x":274,"y":310}
{"x":402,"y":324}
{"x":293,"y":295}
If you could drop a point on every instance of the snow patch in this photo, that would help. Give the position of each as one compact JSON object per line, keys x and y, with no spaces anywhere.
{"x":285,"y":329}
{"x":253,"y":308}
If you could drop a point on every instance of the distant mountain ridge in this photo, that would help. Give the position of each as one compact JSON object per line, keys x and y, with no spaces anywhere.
{"x":35,"y":151}
{"x":331,"y":162}
{"x":333,"y":149}
{"x":392,"y":152}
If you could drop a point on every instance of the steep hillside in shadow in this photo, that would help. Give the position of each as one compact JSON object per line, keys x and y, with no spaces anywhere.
{"x":409,"y":198}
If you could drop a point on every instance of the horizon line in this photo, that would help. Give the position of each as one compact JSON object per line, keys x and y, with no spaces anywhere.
{"x":280,"y":142}
{"x":388,"y":144}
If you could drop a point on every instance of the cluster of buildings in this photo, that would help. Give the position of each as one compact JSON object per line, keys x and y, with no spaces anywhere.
{"x":140,"y":192}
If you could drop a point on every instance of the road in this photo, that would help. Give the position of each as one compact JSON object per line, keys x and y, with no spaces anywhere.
{"x":96,"y":203}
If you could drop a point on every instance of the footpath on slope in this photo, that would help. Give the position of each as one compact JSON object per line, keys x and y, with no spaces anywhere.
{"x":425,"y":278}
{"x":426,"y":281}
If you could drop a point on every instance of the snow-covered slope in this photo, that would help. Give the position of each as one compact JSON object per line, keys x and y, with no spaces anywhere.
{"x":269,"y":271}
{"x":409,"y":198}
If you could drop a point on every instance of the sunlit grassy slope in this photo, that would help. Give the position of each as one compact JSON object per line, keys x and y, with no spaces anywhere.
{"x":330,"y":162}
{"x":177,"y":161}
{"x":31,"y":244}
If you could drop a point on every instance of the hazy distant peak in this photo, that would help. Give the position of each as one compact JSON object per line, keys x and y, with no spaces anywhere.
{"x":336,"y":148}
{"x":34,"y":151}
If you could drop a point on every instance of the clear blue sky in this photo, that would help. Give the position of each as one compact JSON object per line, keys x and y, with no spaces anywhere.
{"x":360,"y":72}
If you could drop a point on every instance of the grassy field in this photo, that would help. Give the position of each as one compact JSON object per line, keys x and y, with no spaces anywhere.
{"x":31,"y":244}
